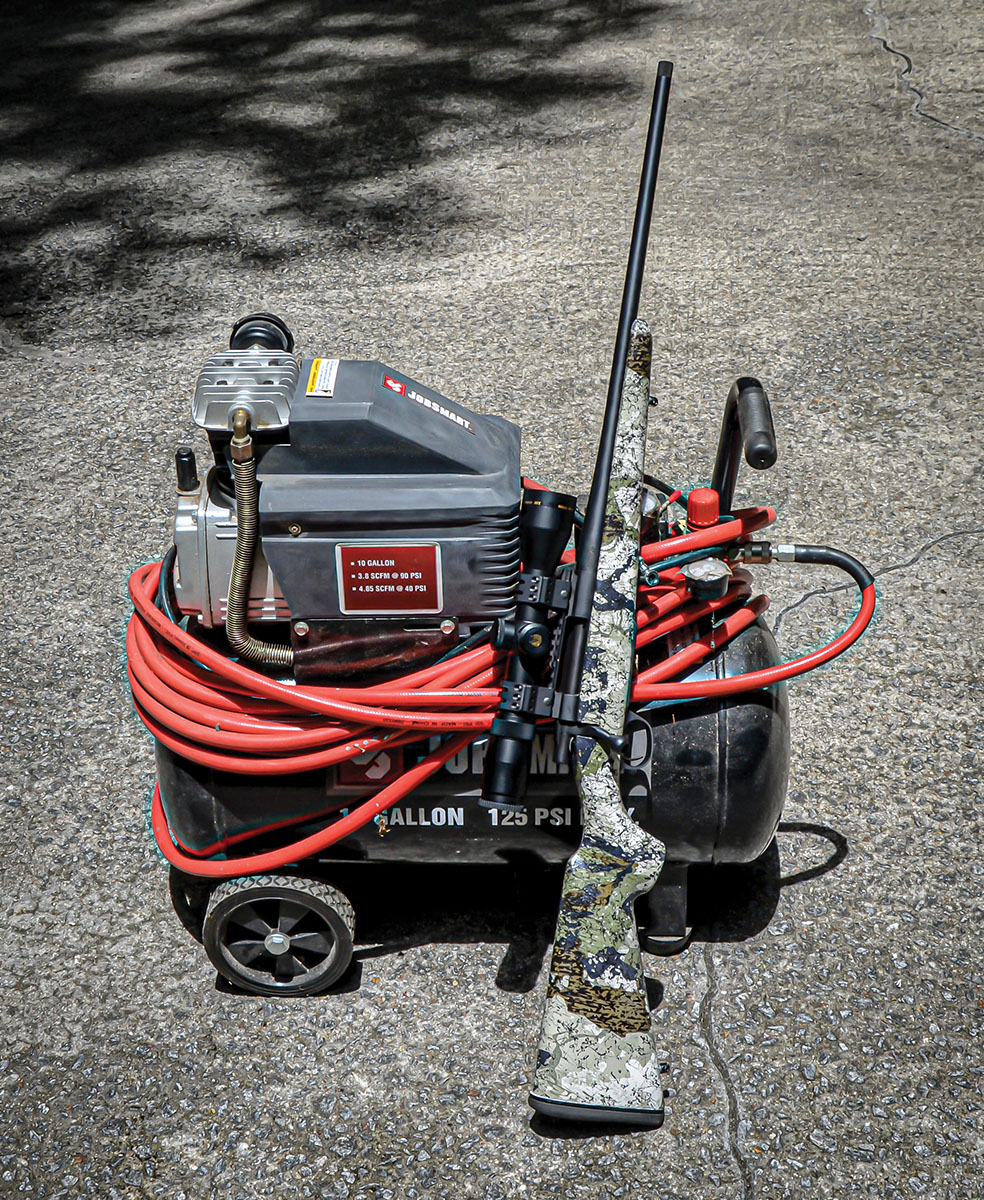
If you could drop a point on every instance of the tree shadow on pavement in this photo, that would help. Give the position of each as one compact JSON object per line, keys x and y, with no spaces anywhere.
{"x":235,"y":133}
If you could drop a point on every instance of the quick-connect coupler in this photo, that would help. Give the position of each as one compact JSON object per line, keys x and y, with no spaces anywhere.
{"x":759,"y":553}
{"x":752,"y":554}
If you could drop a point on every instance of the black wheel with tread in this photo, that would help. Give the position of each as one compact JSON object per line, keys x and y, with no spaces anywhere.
{"x":277,"y":935}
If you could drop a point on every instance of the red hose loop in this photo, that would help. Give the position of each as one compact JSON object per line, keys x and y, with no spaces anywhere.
{"x":746,"y":521}
{"x":221,"y":714}
{"x":689,"y":613}
{"x":698,"y":651}
{"x":271,"y":860}
{"x":645,"y":689}
{"x":659,"y":606}
{"x":333,"y":702}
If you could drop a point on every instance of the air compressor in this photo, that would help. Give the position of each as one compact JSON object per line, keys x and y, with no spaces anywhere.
{"x":372,"y":550}
{"x":357,"y":651}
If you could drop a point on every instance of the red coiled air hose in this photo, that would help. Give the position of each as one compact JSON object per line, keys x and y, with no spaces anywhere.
{"x":214,"y":711}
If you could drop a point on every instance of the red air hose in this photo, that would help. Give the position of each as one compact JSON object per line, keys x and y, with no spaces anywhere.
{"x":216,"y":712}
{"x":272,"y":860}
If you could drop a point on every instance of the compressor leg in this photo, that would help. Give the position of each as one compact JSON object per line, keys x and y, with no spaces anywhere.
{"x":662,"y":912}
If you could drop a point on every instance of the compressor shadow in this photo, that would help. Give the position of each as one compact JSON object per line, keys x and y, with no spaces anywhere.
{"x":402,"y":906}
{"x":736,"y":901}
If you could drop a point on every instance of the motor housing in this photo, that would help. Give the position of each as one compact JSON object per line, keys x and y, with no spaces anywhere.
{"x":388,"y":514}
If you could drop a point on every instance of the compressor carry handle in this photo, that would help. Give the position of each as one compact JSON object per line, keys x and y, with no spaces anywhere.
{"x":747,"y":423}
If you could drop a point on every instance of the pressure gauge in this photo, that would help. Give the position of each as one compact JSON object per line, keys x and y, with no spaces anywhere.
{"x":707,"y":578}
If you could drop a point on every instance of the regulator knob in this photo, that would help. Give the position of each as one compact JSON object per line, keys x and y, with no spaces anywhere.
{"x":703,"y":508}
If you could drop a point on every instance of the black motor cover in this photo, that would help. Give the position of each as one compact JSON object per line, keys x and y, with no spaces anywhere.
{"x":390,"y":501}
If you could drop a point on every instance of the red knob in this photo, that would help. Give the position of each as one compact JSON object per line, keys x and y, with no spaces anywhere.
{"x":703,"y":508}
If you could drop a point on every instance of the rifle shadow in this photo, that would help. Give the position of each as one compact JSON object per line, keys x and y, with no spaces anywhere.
{"x":402,"y":906}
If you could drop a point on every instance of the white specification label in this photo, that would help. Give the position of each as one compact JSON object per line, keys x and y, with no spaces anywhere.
{"x":321,"y":381}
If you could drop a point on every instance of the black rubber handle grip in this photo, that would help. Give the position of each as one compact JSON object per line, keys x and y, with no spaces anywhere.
{"x":747,"y":425}
{"x":758,"y":434}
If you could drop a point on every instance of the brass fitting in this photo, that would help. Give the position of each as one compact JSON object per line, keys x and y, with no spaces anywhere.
{"x":242,"y":443}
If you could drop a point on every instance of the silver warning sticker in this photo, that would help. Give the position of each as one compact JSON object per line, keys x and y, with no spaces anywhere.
{"x":321,"y":381}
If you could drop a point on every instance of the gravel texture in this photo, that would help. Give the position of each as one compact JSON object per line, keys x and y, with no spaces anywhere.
{"x":450,"y":188}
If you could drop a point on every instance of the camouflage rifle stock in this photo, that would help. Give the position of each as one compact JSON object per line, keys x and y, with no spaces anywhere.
{"x":596,"y":1058}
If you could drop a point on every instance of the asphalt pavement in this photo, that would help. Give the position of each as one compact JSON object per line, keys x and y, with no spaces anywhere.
{"x":449,"y":188}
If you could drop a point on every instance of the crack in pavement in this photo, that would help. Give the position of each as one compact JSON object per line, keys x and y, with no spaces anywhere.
{"x":707,"y":1000}
{"x":717,"y":1057}
{"x":879,"y":33}
{"x":899,"y":566}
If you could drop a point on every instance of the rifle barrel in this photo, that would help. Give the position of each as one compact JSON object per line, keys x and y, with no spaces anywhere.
{"x":589,"y":548}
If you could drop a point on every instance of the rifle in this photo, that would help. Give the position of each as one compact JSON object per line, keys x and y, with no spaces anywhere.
{"x":597,"y":1058}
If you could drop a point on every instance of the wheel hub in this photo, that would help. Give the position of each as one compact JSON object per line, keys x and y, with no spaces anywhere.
{"x":277,"y":943}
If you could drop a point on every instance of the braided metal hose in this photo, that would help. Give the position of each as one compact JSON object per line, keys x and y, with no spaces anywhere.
{"x":237,"y":602}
